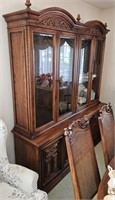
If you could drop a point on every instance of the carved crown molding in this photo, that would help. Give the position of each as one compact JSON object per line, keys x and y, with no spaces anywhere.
{"x":58,"y":18}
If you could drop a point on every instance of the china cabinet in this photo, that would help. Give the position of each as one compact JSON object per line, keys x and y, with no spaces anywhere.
{"x":56,"y":67}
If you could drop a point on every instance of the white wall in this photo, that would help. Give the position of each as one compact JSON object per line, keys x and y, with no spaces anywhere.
{"x":75,"y":7}
{"x":108,"y":78}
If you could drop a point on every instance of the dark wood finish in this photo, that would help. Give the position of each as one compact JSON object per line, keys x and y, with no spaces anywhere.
{"x":103,"y":187}
{"x":94,"y":128}
{"x":82,"y":159}
{"x":43,"y":148}
{"x":107,"y":130}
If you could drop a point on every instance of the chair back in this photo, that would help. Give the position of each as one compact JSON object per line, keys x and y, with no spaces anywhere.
{"x":3,"y":136}
{"x":107,"y":131}
{"x":82,"y":159}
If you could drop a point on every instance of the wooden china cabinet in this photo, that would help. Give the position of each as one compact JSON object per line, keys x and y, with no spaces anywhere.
{"x":56,"y":65}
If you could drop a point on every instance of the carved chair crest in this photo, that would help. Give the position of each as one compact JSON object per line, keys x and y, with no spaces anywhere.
{"x":79,"y":123}
{"x":106,"y":109}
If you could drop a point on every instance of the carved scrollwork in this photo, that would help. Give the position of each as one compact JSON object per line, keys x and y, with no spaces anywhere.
{"x":106,"y":109}
{"x":79,"y":123}
{"x":56,"y":22}
{"x":82,"y":123}
{"x":94,"y":31}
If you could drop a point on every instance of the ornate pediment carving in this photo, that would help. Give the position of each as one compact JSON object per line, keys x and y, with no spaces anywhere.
{"x":94,"y":31}
{"x":55,"y":22}
{"x":96,"y":28}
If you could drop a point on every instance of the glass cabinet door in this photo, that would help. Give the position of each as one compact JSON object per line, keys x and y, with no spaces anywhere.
{"x":65,"y":74}
{"x":96,"y":76}
{"x":43,"y":62}
{"x":84,"y":71}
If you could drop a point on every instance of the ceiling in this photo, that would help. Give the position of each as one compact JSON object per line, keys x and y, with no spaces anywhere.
{"x":101,"y":3}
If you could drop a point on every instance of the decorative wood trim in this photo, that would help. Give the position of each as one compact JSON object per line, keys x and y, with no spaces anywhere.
{"x":58,"y":18}
{"x":57,"y":23}
{"x":106,"y":109}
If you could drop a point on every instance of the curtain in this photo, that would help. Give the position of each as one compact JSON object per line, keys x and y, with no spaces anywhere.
{"x":43,"y":46}
{"x":66,"y":59}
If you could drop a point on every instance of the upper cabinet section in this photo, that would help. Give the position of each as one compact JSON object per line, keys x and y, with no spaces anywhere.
{"x":54,"y":18}
{"x":56,"y":64}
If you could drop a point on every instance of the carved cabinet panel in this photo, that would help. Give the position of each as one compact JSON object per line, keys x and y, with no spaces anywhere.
{"x":50,"y":160}
{"x":54,"y":161}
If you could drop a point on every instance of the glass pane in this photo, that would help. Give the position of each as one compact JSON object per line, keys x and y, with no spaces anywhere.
{"x":84,"y":71}
{"x":65,"y":74}
{"x":43,"y":53}
{"x":97,"y":70}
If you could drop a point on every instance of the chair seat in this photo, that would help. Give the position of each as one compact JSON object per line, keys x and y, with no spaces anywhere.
{"x":8,"y":192}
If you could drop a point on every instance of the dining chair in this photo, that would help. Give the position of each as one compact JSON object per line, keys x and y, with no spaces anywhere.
{"x":82,"y":159}
{"x":107,"y":131}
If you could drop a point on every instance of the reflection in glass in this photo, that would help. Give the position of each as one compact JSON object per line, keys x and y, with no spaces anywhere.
{"x":43,"y":54}
{"x":96,"y":71}
{"x":65,"y":74}
{"x":84,"y":71}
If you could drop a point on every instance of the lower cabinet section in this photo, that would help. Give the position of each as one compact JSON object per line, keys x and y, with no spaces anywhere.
{"x":49,"y":160}
{"x":54,"y":163}
{"x":47,"y":154}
